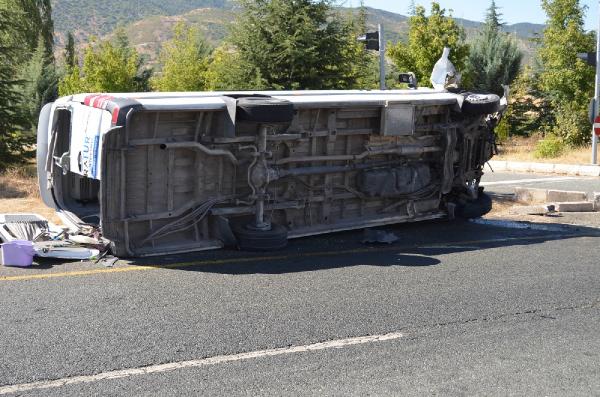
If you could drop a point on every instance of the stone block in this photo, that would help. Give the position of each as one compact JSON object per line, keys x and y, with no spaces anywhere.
{"x":530,"y":195}
{"x":583,"y":206}
{"x":596,"y":200}
{"x":564,"y":196}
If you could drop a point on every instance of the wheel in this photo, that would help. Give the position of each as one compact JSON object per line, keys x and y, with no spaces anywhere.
{"x":261,"y":240}
{"x":264,"y":110}
{"x":475,"y":208}
{"x":480,"y":104}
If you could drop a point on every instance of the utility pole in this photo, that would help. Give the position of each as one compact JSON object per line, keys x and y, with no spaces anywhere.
{"x":381,"y":58}
{"x":597,"y":95}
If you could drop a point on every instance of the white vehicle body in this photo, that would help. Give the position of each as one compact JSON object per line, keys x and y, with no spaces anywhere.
{"x":134,"y":164}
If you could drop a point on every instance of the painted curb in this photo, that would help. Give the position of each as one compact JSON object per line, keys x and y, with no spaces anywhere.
{"x":544,"y":168}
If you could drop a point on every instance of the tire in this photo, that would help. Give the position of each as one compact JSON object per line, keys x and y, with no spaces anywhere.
{"x":261,"y":240}
{"x":475,"y":208}
{"x":264,"y":110}
{"x":480,"y":104}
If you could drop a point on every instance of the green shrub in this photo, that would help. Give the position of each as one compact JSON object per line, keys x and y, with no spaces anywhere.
{"x":549,"y":147}
{"x":503,"y":131}
{"x":572,"y":123}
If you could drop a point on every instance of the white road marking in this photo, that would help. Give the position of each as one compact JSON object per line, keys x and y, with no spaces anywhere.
{"x":152,"y":369}
{"x":533,"y":180}
{"x":547,"y":227}
{"x":520,"y":225}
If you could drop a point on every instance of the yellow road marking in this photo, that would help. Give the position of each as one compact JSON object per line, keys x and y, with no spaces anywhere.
{"x":137,"y":268}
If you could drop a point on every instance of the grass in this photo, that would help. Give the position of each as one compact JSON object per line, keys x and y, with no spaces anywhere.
{"x":524,"y":149}
{"x":19,"y":193}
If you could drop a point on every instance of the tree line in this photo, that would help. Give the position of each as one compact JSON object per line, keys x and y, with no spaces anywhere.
{"x":298,"y":44}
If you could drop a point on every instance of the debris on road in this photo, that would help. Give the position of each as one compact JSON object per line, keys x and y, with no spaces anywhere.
{"x":23,"y":227}
{"x":17,"y":253}
{"x":29,"y":235}
{"x":532,"y":210}
{"x":372,"y":236}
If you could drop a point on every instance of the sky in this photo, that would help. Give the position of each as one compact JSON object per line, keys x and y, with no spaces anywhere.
{"x":513,"y":10}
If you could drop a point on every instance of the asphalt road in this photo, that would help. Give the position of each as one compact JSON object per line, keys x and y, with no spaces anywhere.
{"x":466,"y":309}
{"x":505,"y":183}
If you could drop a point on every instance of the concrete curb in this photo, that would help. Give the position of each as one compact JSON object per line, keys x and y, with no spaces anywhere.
{"x":544,"y":168}
{"x":563,"y":200}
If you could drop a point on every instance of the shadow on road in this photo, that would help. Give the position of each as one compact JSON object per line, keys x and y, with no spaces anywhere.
{"x":303,"y":264}
{"x":418,"y":247}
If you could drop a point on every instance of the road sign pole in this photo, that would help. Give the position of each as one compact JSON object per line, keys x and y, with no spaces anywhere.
{"x":381,"y":58}
{"x":597,"y":95}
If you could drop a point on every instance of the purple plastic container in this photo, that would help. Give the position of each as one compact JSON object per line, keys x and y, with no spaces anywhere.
{"x":17,"y":253}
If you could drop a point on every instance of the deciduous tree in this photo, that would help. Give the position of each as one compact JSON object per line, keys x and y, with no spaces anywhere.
{"x":184,"y":61}
{"x":108,"y":66}
{"x":427,"y":37}
{"x":566,"y":80}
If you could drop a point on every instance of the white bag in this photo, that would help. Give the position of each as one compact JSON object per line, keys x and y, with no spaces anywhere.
{"x":444,"y":73}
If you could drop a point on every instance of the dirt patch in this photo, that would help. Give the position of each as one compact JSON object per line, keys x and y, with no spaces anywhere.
{"x":501,"y":210}
{"x":522,"y":149}
{"x":19,"y":193}
{"x":19,"y":183}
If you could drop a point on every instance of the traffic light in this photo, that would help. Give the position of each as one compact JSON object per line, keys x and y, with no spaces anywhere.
{"x":588,"y":57}
{"x":371,"y":41}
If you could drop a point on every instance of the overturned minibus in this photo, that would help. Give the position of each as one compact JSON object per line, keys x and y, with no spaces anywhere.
{"x":161,"y":173}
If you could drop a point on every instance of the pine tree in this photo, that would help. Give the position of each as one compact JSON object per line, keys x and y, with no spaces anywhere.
{"x":69,"y":54}
{"x":38,"y":23}
{"x":295,"y":44}
{"x":495,"y":58}
{"x":40,"y":81}
{"x":493,"y":18}
{"x":412,"y":8}
{"x":14,"y":121}
{"x":427,"y":37}
{"x":185,"y":61}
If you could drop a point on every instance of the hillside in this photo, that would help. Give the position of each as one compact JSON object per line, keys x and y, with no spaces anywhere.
{"x":149,"y":22}
{"x":92,"y":17}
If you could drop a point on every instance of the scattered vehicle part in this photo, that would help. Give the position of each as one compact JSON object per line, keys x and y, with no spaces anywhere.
{"x":372,"y":236}
{"x":33,"y":235}
{"x":17,"y":253}
{"x":171,"y":173}
{"x":64,"y":250}
{"x":22,"y":226}
{"x":108,"y":261}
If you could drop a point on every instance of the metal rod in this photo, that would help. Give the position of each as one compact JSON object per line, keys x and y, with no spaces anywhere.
{"x":402,"y":150}
{"x":597,"y":96}
{"x":201,"y":148}
{"x":381,"y":58}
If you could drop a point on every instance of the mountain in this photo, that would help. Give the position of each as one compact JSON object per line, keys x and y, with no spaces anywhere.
{"x":98,"y":18}
{"x":149,"y":22}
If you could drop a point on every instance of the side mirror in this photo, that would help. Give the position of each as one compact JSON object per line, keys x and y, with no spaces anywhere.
{"x":410,"y":79}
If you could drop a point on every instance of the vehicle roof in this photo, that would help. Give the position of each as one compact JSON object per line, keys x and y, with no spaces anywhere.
{"x":213,"y":100}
